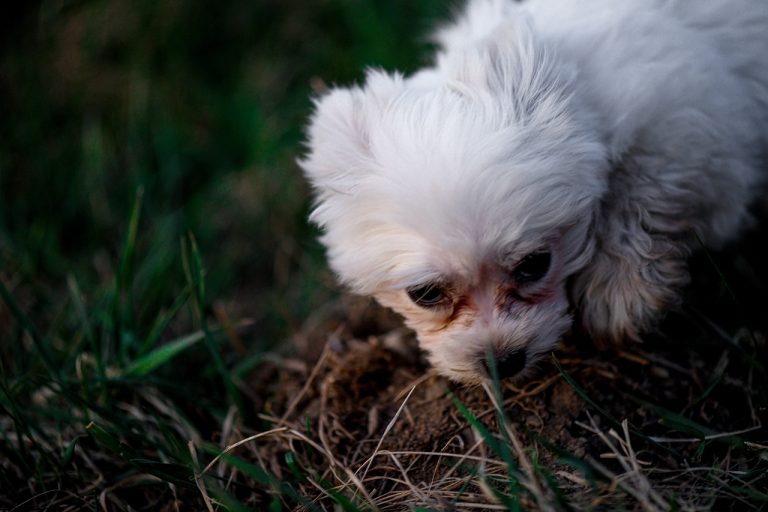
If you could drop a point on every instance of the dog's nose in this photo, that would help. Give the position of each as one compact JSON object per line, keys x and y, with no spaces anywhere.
{"x":508,"y":364}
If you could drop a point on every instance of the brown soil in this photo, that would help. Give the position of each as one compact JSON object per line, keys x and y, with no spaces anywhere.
{"x":365,"y":389}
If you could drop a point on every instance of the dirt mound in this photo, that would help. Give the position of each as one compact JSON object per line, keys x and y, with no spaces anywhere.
{"x":591,"y":428}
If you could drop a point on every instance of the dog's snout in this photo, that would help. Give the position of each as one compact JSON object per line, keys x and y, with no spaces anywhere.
{"x":508,"y":364}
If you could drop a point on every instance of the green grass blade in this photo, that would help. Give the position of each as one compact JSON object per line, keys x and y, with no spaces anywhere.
{"x":290,"y":460}
{"x":122,"y":297}
{"x":501,"y":449}
{"x":69,"y":451}
{"x":680,"y":423}
{"x":106,"y":439}
{"x":613,"y":421}
{"x":590,"y":473}
{"x":253,"y":471}
{"x":471,"y":473}
{"x":129,"y":244}
{"x":584,"y":396}
{"x":501,"y":419}
{"x":192,"y":263}
{"x":162,"y":321}
{"x":193,"y":269}
{"x":79,"y":303}
{"x":161,"y":355}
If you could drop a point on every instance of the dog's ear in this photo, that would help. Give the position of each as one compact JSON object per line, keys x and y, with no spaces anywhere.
{"x":338,"y":132}
{"x":336,"y":135}
{"x":639,"y":265}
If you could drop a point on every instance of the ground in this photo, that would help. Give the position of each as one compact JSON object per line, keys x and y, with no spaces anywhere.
{"x":652,"y":426}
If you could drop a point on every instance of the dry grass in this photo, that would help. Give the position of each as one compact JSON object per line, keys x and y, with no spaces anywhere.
{"x":368,"y":427}
{"x":351,"y":439}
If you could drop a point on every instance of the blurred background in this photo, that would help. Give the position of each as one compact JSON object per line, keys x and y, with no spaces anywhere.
{"x":195,"y":107}
{"x":149,"y":198}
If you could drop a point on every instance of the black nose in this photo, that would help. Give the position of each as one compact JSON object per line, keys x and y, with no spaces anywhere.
{"x":508,"y":364}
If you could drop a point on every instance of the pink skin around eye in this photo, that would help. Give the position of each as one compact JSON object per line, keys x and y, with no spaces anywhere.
{"x":494,"y":293}
{"x":512,"y":297}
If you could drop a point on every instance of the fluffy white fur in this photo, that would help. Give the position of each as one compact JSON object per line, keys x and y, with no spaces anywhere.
{"x":612,"y":134}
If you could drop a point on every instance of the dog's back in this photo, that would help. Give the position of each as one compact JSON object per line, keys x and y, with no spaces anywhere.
{"x":740,"y":31}
{"x":624,"y":50}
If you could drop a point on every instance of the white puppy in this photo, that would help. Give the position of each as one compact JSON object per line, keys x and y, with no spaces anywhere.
{"x":560,"y":155}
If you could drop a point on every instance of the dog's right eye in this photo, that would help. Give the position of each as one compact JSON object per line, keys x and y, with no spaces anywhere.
{"x":427,"y":296}
{"x":533,"y":267}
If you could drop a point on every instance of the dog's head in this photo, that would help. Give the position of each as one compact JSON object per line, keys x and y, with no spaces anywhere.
{"x":461,"y":197}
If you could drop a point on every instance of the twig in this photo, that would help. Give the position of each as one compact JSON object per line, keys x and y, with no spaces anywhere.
{"x":198,"y":477}
{"x":706,"y":438}
{"x":367,"y":463}
{"x":312,"y":375}
{"x":239,"y":443}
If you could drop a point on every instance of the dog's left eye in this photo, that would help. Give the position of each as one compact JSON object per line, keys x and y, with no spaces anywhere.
{"x":427,"y":296}
{"x":532,"y":268}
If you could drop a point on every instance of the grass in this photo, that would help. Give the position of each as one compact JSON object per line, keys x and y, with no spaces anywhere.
{"x":164,"y":305}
